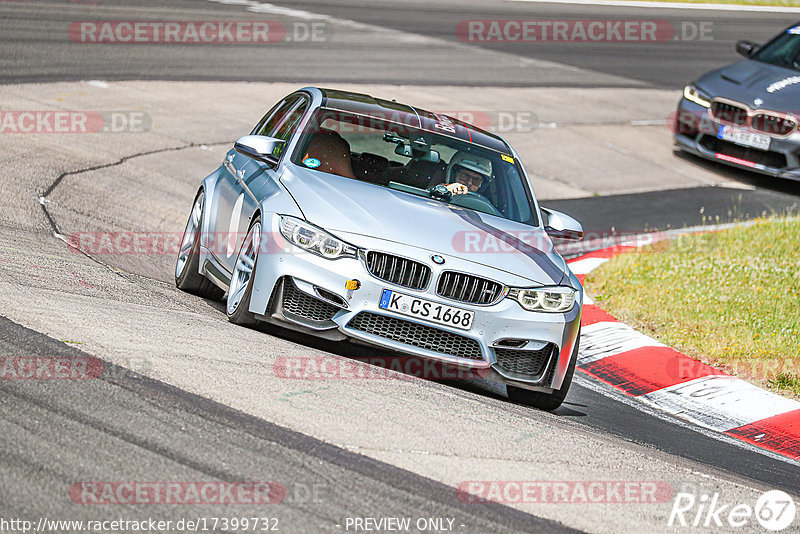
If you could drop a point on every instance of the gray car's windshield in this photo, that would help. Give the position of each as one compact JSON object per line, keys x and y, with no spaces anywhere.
{"x":783,"y":51}
{"x":391,"y":154}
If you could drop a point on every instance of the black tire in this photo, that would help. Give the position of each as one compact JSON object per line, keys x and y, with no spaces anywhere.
{"x":188,"y":277}
{"x":240,"y":314}
{"x":547,"y":401}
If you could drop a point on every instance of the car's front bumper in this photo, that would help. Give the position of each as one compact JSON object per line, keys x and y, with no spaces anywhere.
{"x":283,"y":270}
{"x":695,"y":132}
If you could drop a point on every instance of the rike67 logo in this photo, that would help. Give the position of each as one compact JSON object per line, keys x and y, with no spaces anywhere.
{"x":774,"y":510}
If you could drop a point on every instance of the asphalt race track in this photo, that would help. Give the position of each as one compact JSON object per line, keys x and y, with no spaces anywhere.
{"x":186,"y":397}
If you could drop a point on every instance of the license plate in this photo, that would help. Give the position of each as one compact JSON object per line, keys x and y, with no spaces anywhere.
{"x":741,"y":137}
{"x":426,"y":309}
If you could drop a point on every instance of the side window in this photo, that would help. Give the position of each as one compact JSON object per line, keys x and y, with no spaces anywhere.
{"x":519,"y":206}
{"x":271,"y":120}
{"x":287,"y":127}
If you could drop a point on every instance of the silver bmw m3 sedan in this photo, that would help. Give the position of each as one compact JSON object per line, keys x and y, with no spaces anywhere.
{"x":350,"y":217}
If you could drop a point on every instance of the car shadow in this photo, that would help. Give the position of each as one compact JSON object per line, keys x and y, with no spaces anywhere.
{"x":742,"y":176}
{"x":388,"y":360}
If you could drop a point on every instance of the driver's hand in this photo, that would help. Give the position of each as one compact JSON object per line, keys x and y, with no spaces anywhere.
{"x":457,"y":189}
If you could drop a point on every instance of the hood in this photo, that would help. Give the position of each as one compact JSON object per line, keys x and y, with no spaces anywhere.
{"x":345,"y":205}
{"x":777,"y":88}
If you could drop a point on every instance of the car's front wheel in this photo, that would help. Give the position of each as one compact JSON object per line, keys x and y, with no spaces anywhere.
{"x":238,"y":304}
{"x":187,"y":267}
{"x":547,"y":401}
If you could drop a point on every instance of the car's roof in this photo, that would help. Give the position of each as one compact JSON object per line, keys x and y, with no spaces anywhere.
{"x":425,"y":120}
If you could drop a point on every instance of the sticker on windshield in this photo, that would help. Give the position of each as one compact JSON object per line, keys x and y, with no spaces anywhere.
{"x":794,"y":31}
{"x":507,"y":158}
{"x":312,"y":163}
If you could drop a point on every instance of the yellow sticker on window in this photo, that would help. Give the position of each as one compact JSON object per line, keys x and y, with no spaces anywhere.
{"x":507,"y":158}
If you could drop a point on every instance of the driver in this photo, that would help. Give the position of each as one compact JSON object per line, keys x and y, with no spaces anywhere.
{"x":466,"y":173}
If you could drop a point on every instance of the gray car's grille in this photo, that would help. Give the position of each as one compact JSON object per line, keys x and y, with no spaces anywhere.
{"x":468,"y":288}
{"x":523,"y":362}
{"x":306,"y":306}
{"x":773,"y":124}
{"x":417,"y":335}
{"x":766,"y":158}
{"x":728,"y":113}
{"x":397,"y":270}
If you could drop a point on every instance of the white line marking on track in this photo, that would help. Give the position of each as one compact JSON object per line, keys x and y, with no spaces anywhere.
{"x":653,"y":122}
{"x":720,"y":402}
{"x":609,"y":391}
{"x":586,"y":265}
{"x":604,"y":339}
{"x":265,"y":7}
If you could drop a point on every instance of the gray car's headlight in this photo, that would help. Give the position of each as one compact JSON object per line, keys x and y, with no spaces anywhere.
{"x":557,"y":299}
{"x":693,"y":94}
{"x":315,"y":240}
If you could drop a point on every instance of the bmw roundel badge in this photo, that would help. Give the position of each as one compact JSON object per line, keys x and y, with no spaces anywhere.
{"x":438,"y":260}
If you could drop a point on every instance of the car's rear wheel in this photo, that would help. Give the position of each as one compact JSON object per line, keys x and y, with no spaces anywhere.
{"x":187,"y":267}
{"x":238,"y":304}
{"x":547,"y":401}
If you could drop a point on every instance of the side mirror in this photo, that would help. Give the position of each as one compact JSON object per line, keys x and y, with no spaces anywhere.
{"x":259,"y":147}
{"x":746,"y":48}
{"x":562,"y":226}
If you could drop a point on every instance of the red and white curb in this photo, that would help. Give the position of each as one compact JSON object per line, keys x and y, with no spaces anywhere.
{"x":672,"y":382}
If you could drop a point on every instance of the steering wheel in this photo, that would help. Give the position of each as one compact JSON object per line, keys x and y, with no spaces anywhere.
{"x":475,"y":201}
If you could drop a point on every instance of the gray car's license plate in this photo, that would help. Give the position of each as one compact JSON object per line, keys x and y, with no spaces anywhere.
{"x":426,"y":309}
{"x":741,"y":137}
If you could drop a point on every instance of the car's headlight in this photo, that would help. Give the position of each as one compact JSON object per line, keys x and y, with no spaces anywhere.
{"x":693,"y":94}
{"x":558,"y":299}
{"x":315,"y":240}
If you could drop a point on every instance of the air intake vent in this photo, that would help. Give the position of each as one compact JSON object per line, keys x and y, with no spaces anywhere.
{"x":417,"y":335}
{"x":305,"y":306}
{"x":524,"y":362}
{"x":397,"y":270}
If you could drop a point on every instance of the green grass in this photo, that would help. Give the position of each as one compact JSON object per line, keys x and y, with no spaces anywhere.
{"x":729,"y":298}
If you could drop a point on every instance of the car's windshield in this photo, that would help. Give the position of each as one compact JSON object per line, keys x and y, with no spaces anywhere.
{"x":391,"y":154}
{"x":783,"y":51}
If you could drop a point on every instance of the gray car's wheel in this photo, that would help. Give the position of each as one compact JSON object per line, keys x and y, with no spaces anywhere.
{"x":547,"y":401}
{"x":187,"y":267}
{"x":238,"y":303}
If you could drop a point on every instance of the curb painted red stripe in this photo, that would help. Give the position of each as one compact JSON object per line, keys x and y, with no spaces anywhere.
{"x":780,"y":434}
{"x":592,"y":314}
{"x":647,"y":369}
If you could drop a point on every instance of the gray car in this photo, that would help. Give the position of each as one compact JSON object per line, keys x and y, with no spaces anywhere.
{"x":746,"y":114}
{"x":349,"y":217}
